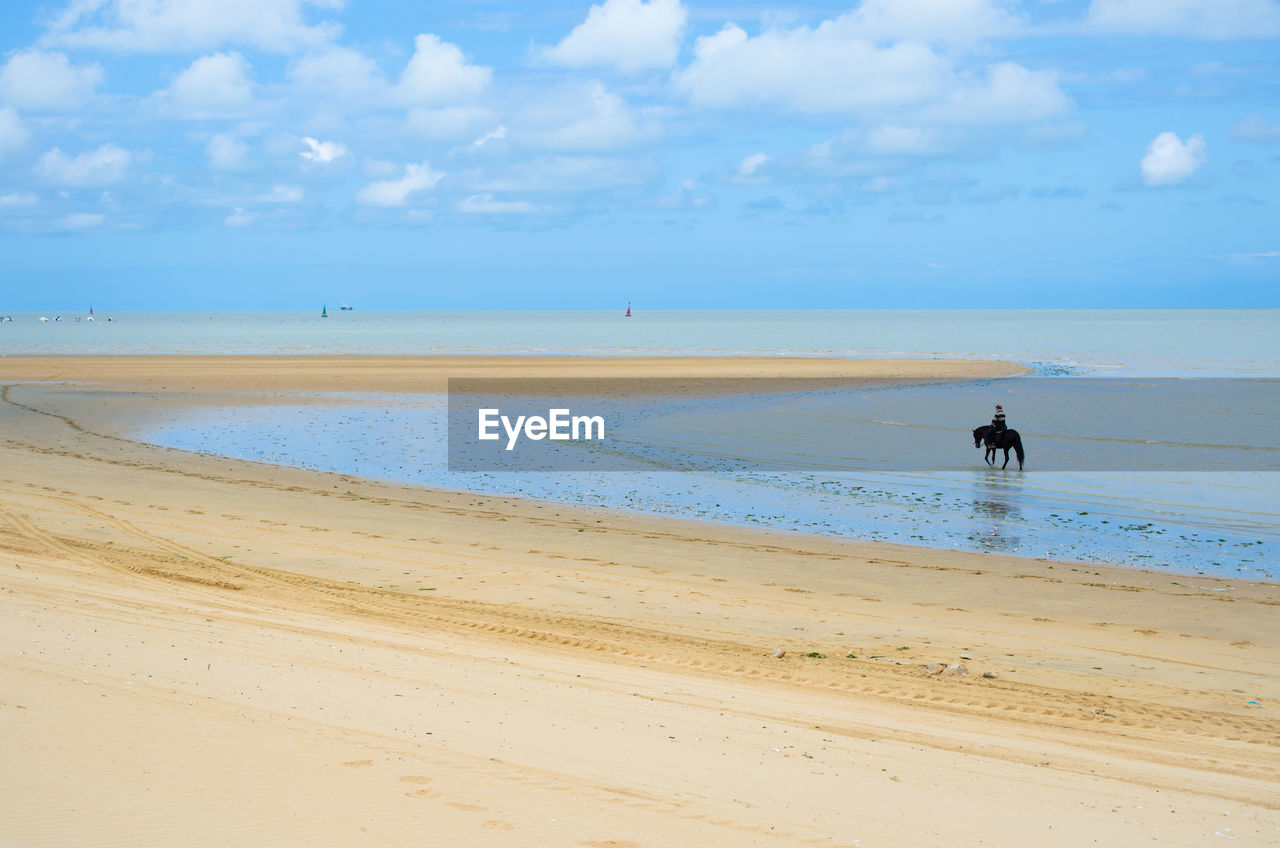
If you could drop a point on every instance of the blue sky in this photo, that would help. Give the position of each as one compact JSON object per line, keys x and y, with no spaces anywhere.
{"x":486,"y":154}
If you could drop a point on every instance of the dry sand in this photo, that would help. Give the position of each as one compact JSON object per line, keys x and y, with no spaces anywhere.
{"x":202,"y":651}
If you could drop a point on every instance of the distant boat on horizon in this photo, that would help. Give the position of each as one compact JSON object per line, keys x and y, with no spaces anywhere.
{"x":628,"y":315}
{"x":324,"y":311}
{"x":346,"y":307}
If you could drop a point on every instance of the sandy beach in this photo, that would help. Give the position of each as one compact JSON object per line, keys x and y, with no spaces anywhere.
{"x":207,"y":651}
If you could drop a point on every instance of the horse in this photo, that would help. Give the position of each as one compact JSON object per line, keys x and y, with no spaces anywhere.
{"x":1005,"y":440}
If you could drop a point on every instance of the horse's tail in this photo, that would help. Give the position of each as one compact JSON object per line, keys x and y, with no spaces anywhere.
{"x":1017,"y":446}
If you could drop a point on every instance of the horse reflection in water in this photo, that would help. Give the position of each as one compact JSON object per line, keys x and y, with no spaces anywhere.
{"x":995,"y":505}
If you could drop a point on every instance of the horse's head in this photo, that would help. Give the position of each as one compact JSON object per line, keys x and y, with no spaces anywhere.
{"x":977,"y":437}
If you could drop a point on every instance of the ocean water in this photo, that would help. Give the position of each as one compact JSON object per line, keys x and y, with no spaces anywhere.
{"x":1223,"y":343}
{"x":1193,"y":522}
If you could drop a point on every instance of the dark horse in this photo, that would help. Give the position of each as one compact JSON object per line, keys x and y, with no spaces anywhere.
{"x":1004,"y":440}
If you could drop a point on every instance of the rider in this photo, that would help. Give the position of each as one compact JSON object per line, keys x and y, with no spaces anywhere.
{"x":997,"y":421}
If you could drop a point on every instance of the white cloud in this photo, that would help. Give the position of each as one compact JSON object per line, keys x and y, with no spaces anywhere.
{"x":213,"y":86}
{"x":892,"y":140}
{"x":79,"y":221}
{"x":1214,"y":69}
{"x":866,"y":152}
{"x":378,"y":168}
{"x":17,"y":199}
{"x":585,"y":117}
{"x":561,"y":174}
{"x":880,"y":185}
{"x":1053,"y":133}
{"x":932,"y":21}
{"x":13,"y":133}
{"x":282,"y":194}
{"x":686,"y":197}
{"x":100,"y":167}
{"x":35,"y":79}
{"x":439,"y":73}
{"x":1210,"y":19}
{"x":396,"y":192}
{"x":861,"y":152}
{"x":226,"y":152}
{"x":340,"y":73}
{"x":1009,"y":94}
{"x":833,"y":68}
{"x":321,"y":152}
{"x":809,"y":70}
{"x":1170,"y":161}
{"x":177,"y":25}
{"x":486,"y":204}
{"x":239,"y":218}
{"x":448,"y":123}
{"x":749,"y":169}
{"x":1255,"y":128}
{"x":628,"y":35}
{"x":493,"y":135}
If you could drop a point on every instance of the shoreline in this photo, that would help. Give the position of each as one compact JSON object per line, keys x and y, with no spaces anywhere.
{"x":222,"y":644}
{"x":148,"y":382}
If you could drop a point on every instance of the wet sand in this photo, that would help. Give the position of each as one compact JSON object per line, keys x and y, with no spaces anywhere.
{"x":207,"y":651}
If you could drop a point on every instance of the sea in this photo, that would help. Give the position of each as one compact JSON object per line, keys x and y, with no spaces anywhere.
{"x":1191,"y":520}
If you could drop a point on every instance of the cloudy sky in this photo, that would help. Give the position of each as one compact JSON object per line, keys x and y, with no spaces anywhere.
{"x":487,"y":153}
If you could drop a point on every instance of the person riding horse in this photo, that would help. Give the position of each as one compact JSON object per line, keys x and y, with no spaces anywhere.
{"x":998,"y":436}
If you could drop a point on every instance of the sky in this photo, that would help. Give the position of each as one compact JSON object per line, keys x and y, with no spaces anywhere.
{"x":280,"y":154}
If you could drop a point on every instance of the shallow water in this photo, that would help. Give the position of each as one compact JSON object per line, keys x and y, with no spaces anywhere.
{"x":1220,"y":523}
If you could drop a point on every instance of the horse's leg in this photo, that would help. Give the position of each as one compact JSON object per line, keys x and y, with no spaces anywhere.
{"x":1006,"y":459}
